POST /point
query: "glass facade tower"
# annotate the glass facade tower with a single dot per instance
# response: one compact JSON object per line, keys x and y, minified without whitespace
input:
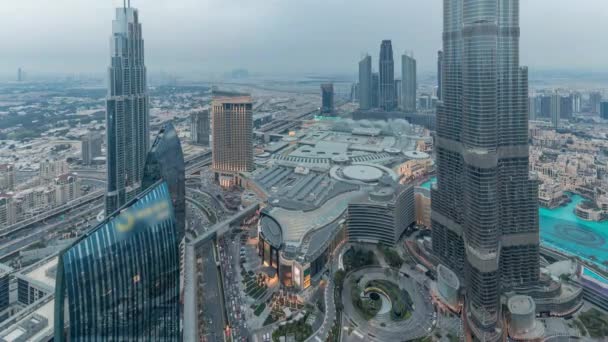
{"x":409,"y":83}
{"x":485,"y":209}
{"x":365,"y":83}
{"x":165,"y":161}
{"x":387,"y":95}
{"x":127,"y":106}
{"x":120,"y":282}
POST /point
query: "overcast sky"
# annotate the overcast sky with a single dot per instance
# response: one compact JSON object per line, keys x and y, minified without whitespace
{"x":280,"y":36}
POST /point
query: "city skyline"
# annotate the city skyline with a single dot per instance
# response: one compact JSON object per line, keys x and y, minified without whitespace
{"x":200,"y":48}
{"x":469,"y":206}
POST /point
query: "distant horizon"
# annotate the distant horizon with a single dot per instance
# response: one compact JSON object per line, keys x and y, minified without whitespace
{"x":286,"y":37}
{"x":539,"y":74}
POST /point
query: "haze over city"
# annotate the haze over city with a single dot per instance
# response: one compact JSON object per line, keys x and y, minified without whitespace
{"x":281,"y":37}
{"x":304,"y":171}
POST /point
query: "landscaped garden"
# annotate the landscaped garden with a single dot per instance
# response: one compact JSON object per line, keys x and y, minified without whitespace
{"x":356,"y":257}
{"x":378,"y":293}
{"x":255,"y":285}
{"x":298,"y":329}
{"x":391,"y":256}
{"x":596,"y":323}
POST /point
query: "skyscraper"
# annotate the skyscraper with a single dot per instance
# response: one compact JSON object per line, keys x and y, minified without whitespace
{"x":566,"y":107}
{"x":439,"y":74}
{"x":90,"y":147}
{"x":545,"y":106}
{"x":200,"y":126}
{"x":365,"y":83}
{"x":595,"y":98}
{"x":532,"y":108}
{"x":120,"y":282}
{"x":127,"y":118}
{"x":165,"y":161}
{"x":485,"y":209}
{"x":556,"y":102}
{"x":7,"y":177}
{"x":408,"y":70}
{"x":232,"y":127}
{"x":327,"y":98}
{"x":604,"y":110}
{"x":387,"y":95}
{"x":375,"y":94}
{"x":399,"y":92}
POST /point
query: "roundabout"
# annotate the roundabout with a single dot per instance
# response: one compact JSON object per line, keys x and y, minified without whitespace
{"x":385,"y":305}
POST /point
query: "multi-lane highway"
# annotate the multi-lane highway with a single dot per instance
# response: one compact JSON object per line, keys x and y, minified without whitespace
{"x":38,"y":232}
{"x":23,"y":234}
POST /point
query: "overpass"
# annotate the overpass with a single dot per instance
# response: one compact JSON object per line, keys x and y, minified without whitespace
{"x":37,"y":234}
{"x":193,"y":163}
{"x":190,"y":283}
{"x":75,"y":204}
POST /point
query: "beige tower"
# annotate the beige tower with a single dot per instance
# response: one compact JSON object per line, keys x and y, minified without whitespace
{"x":232,"y":129}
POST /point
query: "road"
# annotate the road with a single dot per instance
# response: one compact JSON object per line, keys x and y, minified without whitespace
{"x":211,"y":317}
{"x":420,"y":324}
{"x":22,"y":234}
{"x":233,"y":298}
{"x":24,"y":239}
{"x":328,"y":295}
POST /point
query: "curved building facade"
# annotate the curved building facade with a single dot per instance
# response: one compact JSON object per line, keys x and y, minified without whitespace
{"x":381,"y":215}
{"x":448,"y":286}
{"x":120,"y":282}
{"x":166,"y":161}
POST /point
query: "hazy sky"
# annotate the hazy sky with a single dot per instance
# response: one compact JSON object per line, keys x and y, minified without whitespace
{"x":277,"y":36}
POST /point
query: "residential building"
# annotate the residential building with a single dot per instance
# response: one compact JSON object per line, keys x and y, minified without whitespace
{"x":7,"y":177}
{"x":67,"y":188}
{"x":200,"y":127}
{"x":90,"y":145}
{"x":51,"y":169}
{"x":7,"y":214}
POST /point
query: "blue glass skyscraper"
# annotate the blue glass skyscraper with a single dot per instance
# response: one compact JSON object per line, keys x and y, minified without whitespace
{"x":166,"y":161}
{"x":120,"y":282}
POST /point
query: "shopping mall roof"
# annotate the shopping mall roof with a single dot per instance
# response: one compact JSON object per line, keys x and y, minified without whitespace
{"x":299,"y":188}
{"x":296,"y":224}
